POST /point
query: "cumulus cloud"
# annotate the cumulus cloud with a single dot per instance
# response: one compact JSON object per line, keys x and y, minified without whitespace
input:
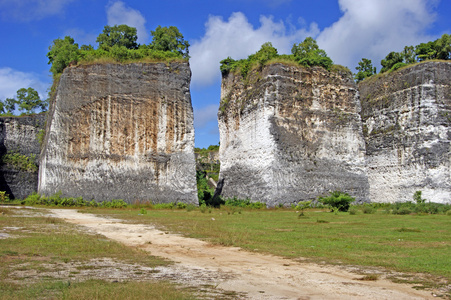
{"x":373,"y":28}
{"x":203,"y":116}
{"x":118,"y":13}
{"x":31,"y":10}
{"x":12,"y":80}
{"x":237,"y":38}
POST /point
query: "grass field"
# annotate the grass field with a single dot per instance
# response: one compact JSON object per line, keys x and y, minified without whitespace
{"x":415,"y":243}
{"x":406,"y":243}
{"x":32,"y":246}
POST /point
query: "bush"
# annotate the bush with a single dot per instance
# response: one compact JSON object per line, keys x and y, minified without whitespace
{"x":4,"y":197}
{"x":302,"y":205}
{"x":368,"y":209}
{"x":338,"y":200}
{"x":353,"y":210}
{"x":181,"y":205}
{"x":403,"y":210}
{"x":21,"y":162}
{"x":244,"y":203}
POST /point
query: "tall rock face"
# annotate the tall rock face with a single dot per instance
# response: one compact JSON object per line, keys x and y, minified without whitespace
{"x":407,"y":116}
{"x":289,"y":134}
{"x":121,"y":132}
{"x":19,"y":151}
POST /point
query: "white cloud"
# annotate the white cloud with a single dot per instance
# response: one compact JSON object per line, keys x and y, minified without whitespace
{"x":30,"y":10}
{"x":12,"y":80}
{"x":373,"y":28}
{"x":118,"y":13}
{"x":237,"y":38}
{"x":203,"y":116}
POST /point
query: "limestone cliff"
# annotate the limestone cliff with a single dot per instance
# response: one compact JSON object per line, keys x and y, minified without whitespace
{"x":121,"y":132}
{"x":291,"y":133}
{"x":19,"y":150}
{"x":407,"y":117}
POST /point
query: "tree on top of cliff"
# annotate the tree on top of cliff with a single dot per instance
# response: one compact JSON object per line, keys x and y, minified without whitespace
{"x":120,"y":35}
{"x":118,"y":44}
{"x":306,"y":53}
{"x":169,"y":39}
{"x":438,"y":49}
{"x":309,"y":54}
{"x":266,"y":52}
{"x":62,"y":53}
{"x":365,"y":69}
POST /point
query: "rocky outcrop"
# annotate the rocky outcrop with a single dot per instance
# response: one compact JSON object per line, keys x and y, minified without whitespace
{"x":289,"y":134}
{"x":407,"y":116}
{"x":121,"y":132}
{"x":19,"y":150}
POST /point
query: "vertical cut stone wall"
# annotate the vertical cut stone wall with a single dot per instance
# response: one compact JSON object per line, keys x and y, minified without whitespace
{"x":290,"y":134}
{"x":121,"y":132}
{"x":19,"y":135}
{"x":406,"y":117}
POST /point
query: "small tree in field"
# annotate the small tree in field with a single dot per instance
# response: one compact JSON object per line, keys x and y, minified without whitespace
{"x":338,"y":200}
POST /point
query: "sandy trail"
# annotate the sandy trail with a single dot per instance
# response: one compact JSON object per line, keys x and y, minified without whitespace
{"x":257,"y":276}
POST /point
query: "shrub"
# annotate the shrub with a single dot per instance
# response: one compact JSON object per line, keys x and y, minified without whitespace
{"x":4,"y":197}
{"x":203,"y":208}
{"x":338,"y":200}
{"x":181,"y":205}
{"x":244,"y":203}
{"x":368,"y":209}
{"x":118,"y":203}
{"x":21,"y":162}
{"x":417,"y":198}
{"x":190,"y":207}
{"x":352,"y":210}
{"x":403,"y":210}
{"x":302,"y":205}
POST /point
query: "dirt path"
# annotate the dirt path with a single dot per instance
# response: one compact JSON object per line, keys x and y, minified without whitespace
{"x":257,"y":276}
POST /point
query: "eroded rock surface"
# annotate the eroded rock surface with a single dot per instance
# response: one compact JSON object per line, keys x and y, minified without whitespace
{"x":122,"y":132}
{"x":290,"y":134}
{"x":20,"y":136}
{"x":407,"y":116}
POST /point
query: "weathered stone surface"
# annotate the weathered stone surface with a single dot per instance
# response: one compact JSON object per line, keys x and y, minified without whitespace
{"x":290,"y":134}
{"x":407,"y":117}
{"x":121,"y":132}
{"x":20,"y":135}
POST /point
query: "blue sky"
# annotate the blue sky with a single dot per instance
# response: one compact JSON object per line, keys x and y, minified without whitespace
{"x":347,"y":29}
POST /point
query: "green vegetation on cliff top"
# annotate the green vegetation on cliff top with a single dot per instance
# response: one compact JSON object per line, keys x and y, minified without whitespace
{"x":439,"y":49}
{"x":306,"y":54}
{"x":118,"y":44}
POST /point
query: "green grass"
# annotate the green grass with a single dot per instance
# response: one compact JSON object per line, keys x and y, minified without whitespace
{"x":94,"y":289}
{"x":406,"y":243}
{"x":42,"y":244}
